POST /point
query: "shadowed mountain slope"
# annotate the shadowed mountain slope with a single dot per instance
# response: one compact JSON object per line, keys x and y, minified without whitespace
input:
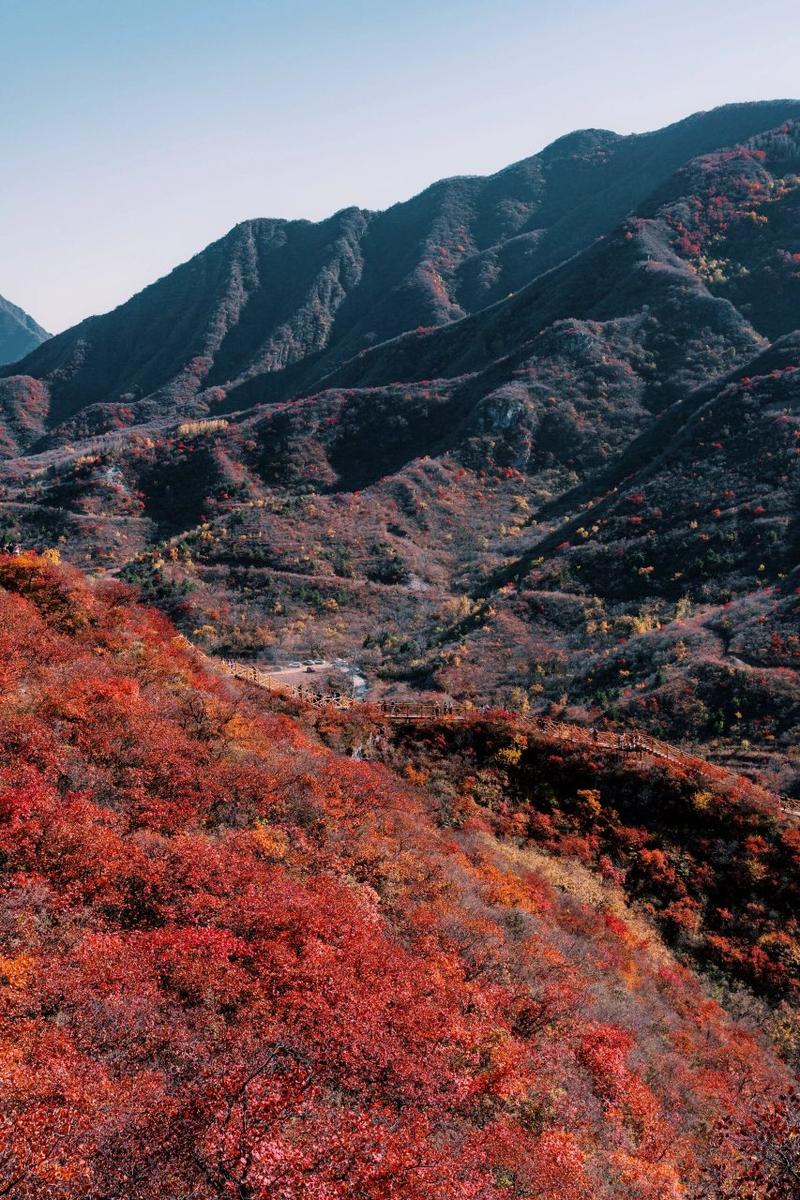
{"x":274,"y":294}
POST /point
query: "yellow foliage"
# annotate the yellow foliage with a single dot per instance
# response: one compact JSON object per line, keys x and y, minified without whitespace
{"x":590,"y":800}
{"x":191,"y":428}
{"x":272,"y":843}
{"x":683,"y":608}
{"x":645,"y":623}
{"x":509,"y":756}
{"x":14,"y":972}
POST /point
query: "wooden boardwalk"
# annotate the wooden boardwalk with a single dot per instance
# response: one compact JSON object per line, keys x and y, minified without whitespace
{"x":634,"y":744}
{"x":397,"y":710}
{"x":404,"y":712}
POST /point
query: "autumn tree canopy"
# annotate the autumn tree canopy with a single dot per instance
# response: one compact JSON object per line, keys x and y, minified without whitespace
{"x":237,"y":963}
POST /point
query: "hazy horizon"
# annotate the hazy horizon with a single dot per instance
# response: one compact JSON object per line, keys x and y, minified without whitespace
{"x":136,"y":136}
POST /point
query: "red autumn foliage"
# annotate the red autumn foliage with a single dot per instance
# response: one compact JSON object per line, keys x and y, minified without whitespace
{"x":234,"y":963}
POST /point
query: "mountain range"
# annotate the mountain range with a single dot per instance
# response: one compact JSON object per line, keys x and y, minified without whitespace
{"x":529,"y":438}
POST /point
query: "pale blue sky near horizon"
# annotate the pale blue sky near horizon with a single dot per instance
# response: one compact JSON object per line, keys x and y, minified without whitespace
{"x":135,"y":132}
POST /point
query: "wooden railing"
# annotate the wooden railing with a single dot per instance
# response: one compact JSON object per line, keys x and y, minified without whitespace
{"x":633,"y":743}
{"x":398,"y":710}
{"x":446,"y":710}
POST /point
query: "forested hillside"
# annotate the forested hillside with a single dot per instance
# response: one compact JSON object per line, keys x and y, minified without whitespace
{"x":249,"y":949}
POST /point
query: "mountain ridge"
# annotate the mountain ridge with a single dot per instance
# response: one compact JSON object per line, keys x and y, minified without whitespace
{"x":355,"y":289}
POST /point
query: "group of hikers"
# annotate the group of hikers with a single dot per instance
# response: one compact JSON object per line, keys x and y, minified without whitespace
{"x":627,"y":742}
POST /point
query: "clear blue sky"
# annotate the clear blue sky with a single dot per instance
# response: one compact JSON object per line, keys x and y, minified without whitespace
{"x":134,"y":132}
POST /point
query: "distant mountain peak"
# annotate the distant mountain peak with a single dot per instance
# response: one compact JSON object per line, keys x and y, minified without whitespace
{"x":19,"y":333}
{"x":581,"y":140}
